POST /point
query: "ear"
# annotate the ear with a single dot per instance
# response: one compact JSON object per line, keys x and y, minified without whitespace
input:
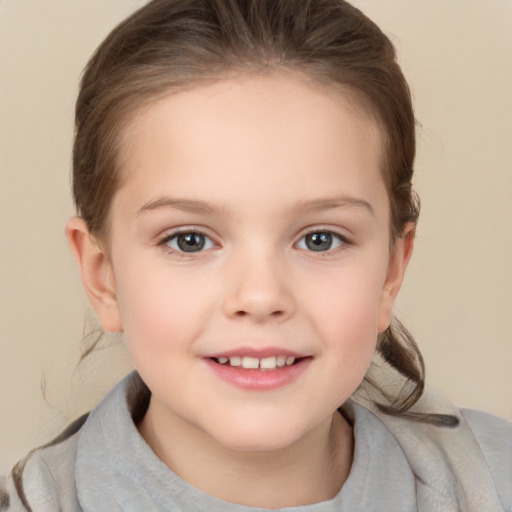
{"x":398,"y":261}
{"x":96,"y":272}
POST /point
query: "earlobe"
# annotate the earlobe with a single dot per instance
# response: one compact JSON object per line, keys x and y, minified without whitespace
{"x":399,"y":259}
{"x":96,"y":272}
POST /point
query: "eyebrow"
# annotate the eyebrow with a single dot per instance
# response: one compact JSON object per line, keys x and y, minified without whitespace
{"x":302,"y":207}
{"x":315,"y":205}
{"x":187,"y":205}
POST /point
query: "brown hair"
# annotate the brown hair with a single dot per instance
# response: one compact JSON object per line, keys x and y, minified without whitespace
{"x":169,"y":45}
{"x":173,"y":44}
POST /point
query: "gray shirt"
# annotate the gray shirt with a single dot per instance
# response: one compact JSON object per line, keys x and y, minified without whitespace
{"x":107,"y":466}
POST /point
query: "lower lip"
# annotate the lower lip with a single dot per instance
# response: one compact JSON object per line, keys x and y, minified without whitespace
{"x":259,"y":380}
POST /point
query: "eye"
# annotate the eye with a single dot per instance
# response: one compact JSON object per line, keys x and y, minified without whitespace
{"x":321,"y":241}
{"x":188,"y":241}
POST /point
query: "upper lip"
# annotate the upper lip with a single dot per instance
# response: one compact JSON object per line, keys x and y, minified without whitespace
{"x":258,"y":353}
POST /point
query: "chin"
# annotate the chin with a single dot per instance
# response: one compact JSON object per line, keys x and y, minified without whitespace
{"x":247,"y":436}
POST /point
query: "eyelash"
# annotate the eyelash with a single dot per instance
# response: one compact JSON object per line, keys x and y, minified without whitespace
{"x":344,"y":242}
{"x":164,"y":241}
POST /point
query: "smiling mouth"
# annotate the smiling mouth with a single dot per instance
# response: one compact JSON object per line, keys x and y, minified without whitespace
{"x":254,"y":363}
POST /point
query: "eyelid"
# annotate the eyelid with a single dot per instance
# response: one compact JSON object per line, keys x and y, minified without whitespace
{"x":322,"y":228}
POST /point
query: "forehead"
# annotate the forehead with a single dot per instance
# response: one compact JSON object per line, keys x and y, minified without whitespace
{"x":243,"y":127}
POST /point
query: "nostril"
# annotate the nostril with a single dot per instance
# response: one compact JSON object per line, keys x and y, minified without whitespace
{"x":273,"y":314}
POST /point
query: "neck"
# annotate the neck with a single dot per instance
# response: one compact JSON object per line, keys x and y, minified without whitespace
{"x":311,"y":470}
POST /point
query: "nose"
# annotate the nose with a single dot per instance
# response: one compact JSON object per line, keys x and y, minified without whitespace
{"x":258,"y":290}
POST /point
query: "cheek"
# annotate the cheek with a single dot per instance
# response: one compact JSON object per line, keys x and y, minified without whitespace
{"x":162,"y":312}
{"x":345,"y":315}
{"x":346,"y":301}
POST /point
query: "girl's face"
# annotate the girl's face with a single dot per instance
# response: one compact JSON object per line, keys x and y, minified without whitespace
{"x":251,"y":230}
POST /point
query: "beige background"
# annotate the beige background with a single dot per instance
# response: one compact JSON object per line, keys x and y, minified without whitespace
{"x":457,"y":298}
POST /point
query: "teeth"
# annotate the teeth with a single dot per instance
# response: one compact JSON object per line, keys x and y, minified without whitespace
{"x":253,"y":363}
{"x":235,"y":361}
{"x":268,"y":363}
{"x":250,"y":362}
{"x":281,"y":361}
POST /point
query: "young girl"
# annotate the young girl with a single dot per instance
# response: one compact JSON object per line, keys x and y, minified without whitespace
{"x":242,"y":175}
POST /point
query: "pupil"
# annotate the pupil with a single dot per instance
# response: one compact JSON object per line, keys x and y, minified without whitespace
{"x":319,"y":241}
{"x":191,"y":242}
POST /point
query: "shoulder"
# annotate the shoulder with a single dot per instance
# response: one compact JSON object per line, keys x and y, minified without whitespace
{"x":46,"y":479}
{"x":46,"y":482}
{"x":494,"y":435}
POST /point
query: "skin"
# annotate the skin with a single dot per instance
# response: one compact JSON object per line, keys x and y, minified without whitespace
{"x":255,"y":163}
